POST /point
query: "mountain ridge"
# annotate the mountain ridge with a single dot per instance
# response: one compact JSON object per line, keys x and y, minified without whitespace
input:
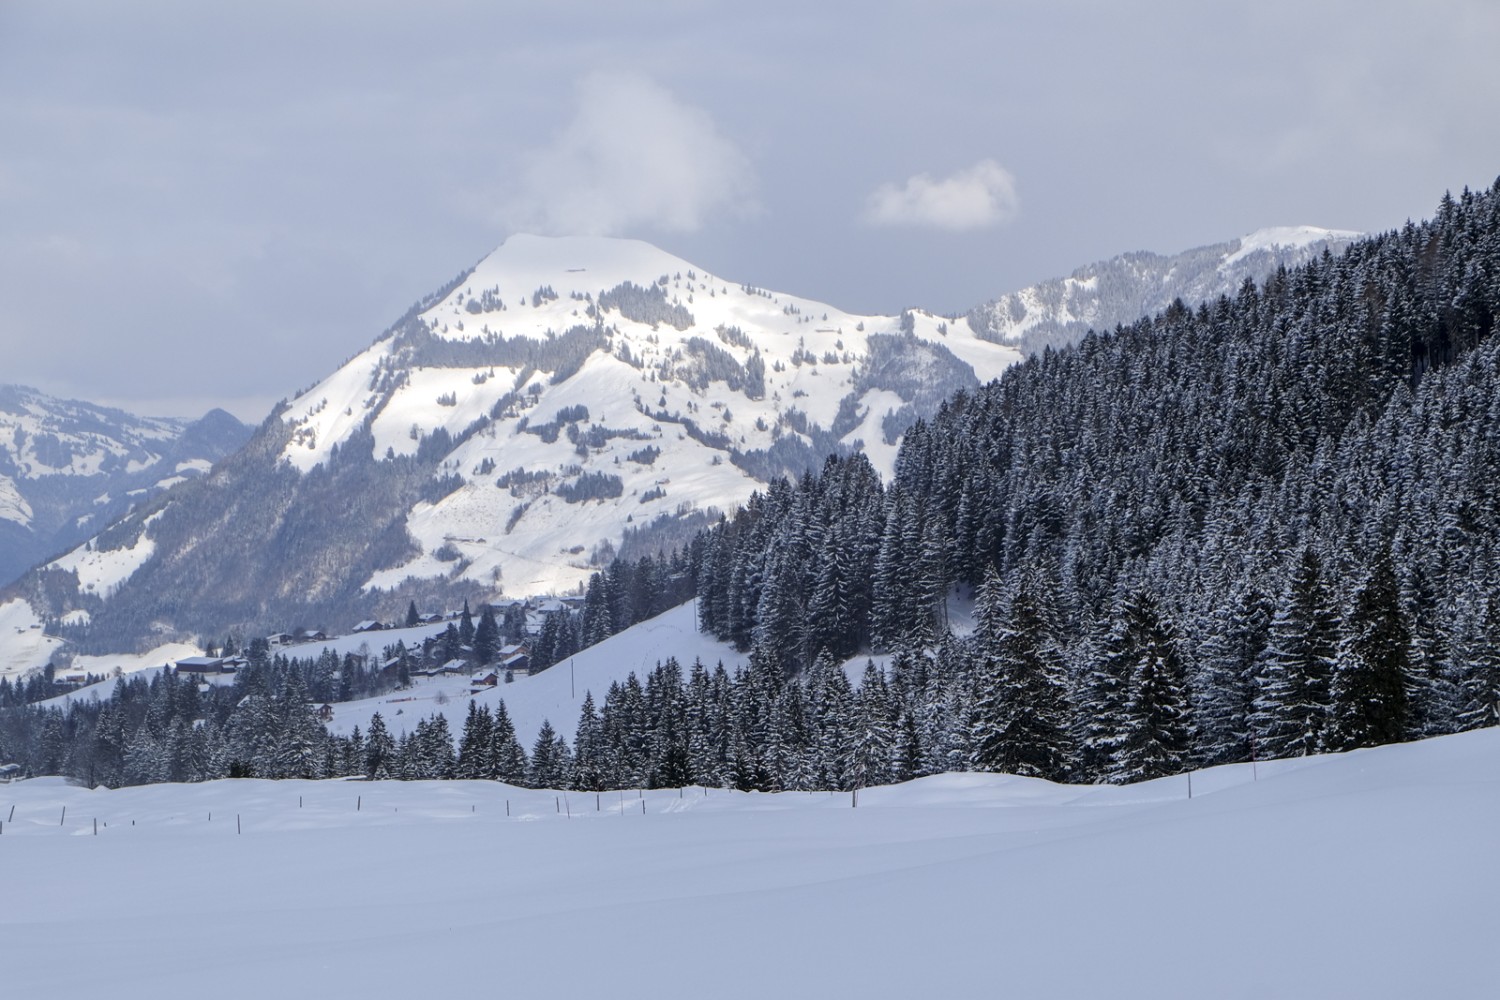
{"x":563,"y":401}
{"x":68,"y":468}
{"x":1122,"y":289}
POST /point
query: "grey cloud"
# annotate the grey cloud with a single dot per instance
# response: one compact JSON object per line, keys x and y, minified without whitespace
{"x":977,"y":197}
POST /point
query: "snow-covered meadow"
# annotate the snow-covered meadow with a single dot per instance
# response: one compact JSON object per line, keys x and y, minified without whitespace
{"x":1369,"y":874}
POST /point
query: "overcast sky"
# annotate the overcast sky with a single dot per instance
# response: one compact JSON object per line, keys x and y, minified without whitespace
{"x":215,"y":204}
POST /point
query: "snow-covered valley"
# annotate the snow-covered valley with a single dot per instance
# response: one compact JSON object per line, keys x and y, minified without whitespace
{"x":1367,"y":874}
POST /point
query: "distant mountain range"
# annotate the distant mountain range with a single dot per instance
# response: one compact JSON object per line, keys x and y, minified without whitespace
{"x":1122,"y":289}
{"x":69,"y":468}
{"x":565,"y":401}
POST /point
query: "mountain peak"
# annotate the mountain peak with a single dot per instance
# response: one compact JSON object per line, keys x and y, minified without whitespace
{"x":1287,"y":238}
{"x":577,"y":262}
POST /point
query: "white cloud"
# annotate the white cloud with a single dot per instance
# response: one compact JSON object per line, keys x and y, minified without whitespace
{"x":981,"y":196}
{"x":632,"y":156}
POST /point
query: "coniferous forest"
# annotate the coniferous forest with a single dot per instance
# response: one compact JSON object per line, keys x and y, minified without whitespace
{"x":1266,"y":526}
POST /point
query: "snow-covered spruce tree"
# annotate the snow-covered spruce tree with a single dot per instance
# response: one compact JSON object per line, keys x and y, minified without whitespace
{"x":874,"y":738}
{"x":598,"y":622}
{"x":486,"y":637}
{"x":1223,"y":683}
{"x":787,"y":740}
{"x":1293,"y":704}
{"x":380,"y":750}
{"x":834,"y":725}
{"x":1019,"y":717}
{"x":511,"y":765}
{"x":1478,"y":667}
{"x":1103,"y":688}
{"x":475,"y":744}
{"x":664,"y":747}
{"x":466,"y":626}
{"x":544,"y":769}
{"x":1156,"y":726}
{"x":1369,"y":679}
{"x":589,"y":759}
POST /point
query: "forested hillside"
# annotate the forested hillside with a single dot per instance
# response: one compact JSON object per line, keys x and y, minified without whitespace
{"x":1259,"y":528}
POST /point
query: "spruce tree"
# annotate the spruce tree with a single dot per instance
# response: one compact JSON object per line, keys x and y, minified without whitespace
{"x":1157,"y":727}
{"x":1479,"y":670}
{"x":476,"y":744}
{"x":380,"y":750}
{"x":589,"y":765}
{"x":1370,"y":672}
{"x":466,"y":626}
{"x":545,"y":767}
{"x":875,"y":741}
{"x":1293,"y":703}
{"x":511,"y":765}
{"x":486,"y":637}
{"x":1019,"y":718}
{"x":1235,"y":634}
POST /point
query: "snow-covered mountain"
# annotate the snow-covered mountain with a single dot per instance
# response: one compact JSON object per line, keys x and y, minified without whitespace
{"x":1122,"y":289}
{"x":589,"y":384}
{"x":69,"y":468}
{"x":564,"y":401}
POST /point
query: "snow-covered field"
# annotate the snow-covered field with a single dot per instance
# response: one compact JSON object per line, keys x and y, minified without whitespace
{"x":23,"y":646}
{"x":1371,"y":874}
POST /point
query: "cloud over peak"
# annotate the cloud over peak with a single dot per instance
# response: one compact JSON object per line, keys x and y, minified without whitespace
{"x":632,"y":155}
{"x":977,"y":197}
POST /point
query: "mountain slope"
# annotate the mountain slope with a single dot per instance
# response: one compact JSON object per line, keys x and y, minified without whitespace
{"x":69,"y":468}
{"x":1121,"y":290}
{"x":564,"y":400}
{"x":1255,"y":528}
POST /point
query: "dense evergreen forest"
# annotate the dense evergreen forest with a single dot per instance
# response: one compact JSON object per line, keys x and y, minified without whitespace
{"x":1267,"y":526}
{"x":1263,"y":527}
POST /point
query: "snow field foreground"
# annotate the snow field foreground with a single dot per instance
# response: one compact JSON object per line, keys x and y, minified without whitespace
{"x":1371,"y":874}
